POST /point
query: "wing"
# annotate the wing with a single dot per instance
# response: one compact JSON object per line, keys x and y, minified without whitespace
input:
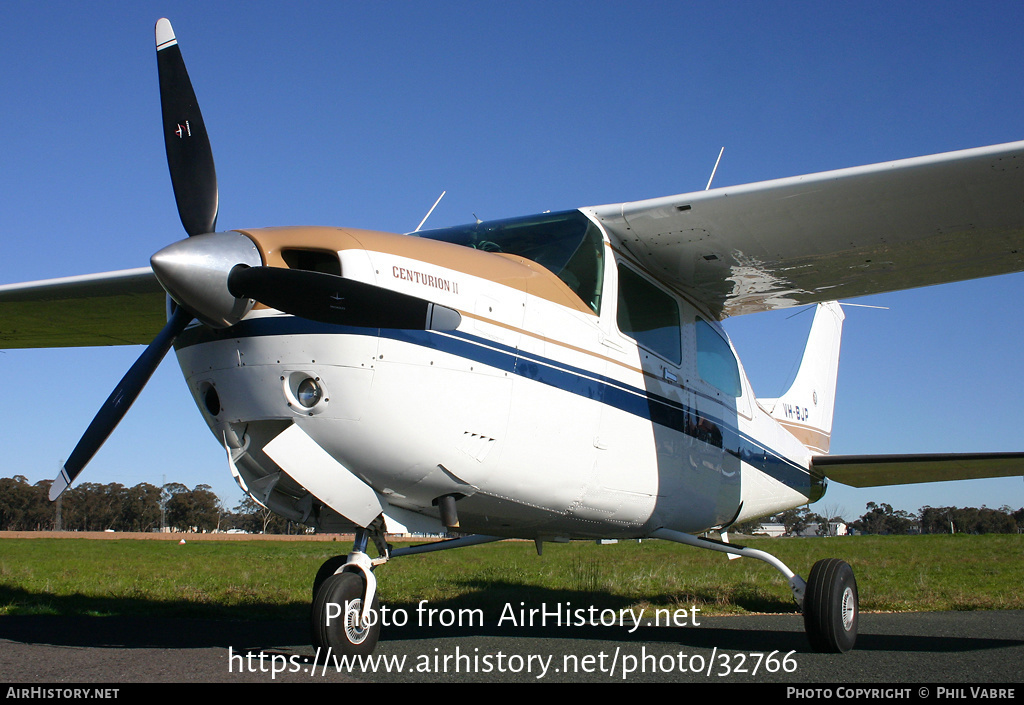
{"x":115,"y":308}
{"x":834,"y":235}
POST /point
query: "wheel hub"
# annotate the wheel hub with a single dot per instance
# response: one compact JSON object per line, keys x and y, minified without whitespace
{"x":849,"y":608}
{"x":354,"y":629}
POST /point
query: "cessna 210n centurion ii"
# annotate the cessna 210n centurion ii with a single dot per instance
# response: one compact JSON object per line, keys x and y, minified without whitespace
{"x":570,"y":374}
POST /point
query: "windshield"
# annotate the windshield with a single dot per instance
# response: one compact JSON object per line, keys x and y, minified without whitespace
{"x":566,"y":243}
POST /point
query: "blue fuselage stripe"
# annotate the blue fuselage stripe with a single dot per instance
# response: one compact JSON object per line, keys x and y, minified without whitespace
{"x":639,"y":402}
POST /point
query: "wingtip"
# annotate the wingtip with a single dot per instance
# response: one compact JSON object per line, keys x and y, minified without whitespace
{"x":164,"y":34}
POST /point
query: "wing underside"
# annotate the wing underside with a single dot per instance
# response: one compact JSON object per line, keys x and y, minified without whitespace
{"x":114,"y":308}
{"x":834,"y":235}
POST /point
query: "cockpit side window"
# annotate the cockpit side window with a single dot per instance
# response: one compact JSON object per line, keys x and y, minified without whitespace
{"x":716,"y":363}
{"x":566,"y":243}
{"x":648,"y":315}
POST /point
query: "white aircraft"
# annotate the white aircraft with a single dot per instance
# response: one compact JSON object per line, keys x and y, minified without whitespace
{"x":553,"y":377}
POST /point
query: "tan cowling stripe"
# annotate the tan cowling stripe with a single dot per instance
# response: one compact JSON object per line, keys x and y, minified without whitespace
{"x":509,"y":270}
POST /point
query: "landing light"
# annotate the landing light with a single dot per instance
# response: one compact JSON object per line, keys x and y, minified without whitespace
{"x":309,"y":393}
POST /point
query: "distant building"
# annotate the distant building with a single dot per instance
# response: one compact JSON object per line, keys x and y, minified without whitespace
{"x":835,"y":528}
{"x":773,"y":529}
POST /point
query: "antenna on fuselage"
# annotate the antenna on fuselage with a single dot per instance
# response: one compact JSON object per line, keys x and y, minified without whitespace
{"x":429,"y":212}
{"x":715,"y":169}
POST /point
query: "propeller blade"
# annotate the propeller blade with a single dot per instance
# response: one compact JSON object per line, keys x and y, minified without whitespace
{"x":119,"y":401}
{"x":189,"y":156}
{"x":329,"y":298}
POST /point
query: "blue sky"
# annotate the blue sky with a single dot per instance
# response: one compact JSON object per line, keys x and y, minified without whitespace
{"x":360,"y":114}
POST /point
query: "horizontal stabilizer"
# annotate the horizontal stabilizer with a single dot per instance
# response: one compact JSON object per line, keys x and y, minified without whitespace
{"x":879,"y":470}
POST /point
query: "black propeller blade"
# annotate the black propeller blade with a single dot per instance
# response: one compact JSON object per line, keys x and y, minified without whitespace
{"x":188,"y":147}
{"x":197,"y":268}
{"x":119,"y":401}
{"x":329,"y":298}
{"x":190,"y":160}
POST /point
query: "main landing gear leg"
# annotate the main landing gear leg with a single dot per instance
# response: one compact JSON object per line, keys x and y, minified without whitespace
{"x":346,"y":611}
{"x":828,"y":598}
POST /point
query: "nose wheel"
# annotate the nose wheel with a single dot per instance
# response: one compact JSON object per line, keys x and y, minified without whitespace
{"x":338,"y":621}
{"x":831,"y":609}
{"x":329,"y":568}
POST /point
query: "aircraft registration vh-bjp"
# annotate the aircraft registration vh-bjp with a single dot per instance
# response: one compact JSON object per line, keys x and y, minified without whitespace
{"x":580,"y":384}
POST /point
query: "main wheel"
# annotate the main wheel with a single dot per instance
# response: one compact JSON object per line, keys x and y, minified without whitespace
{"x":831,"y":610}
{"x":335,"y":621}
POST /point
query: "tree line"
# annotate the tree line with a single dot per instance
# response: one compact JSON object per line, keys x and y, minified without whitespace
{"x":91,"y":506}
{"x":144,"y":507}
{"x":883,"y":519}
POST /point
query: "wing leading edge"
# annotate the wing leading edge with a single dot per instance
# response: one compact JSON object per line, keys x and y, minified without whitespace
{"x":126,"y":307}
{"x":836,"y":234}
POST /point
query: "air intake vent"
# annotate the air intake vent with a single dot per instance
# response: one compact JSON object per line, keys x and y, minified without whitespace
{"x":312,"y":261}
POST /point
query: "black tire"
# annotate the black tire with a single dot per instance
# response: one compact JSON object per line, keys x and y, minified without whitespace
{"x":831,"y":608}
{"x":343,"y":634}
{"x":329,"y":568}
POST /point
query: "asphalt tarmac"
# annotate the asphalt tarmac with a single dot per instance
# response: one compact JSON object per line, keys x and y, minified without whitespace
{"x":939,"y":648}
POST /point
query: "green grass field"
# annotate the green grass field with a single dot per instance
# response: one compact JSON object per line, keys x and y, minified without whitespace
{"x":267,"y":579}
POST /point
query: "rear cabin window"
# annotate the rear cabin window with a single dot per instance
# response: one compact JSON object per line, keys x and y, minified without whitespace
{"x":566,"y":243}
{"x":716,"y":363}
{"x":648,"y":315}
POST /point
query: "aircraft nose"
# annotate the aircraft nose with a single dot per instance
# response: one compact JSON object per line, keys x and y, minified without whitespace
{"x":194,"y":272}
